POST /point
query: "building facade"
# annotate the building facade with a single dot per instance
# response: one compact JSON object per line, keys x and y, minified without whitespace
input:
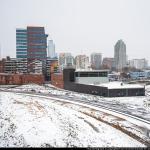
{"x":120,"y":55}
{"x":35,"y":66}
{"x":15,"y":65}
{"x":37,"y":43}
{"x":21,"y":65}
{"x":108,"y":63}
{"x":96,"y":61}
{"x":31,"y":44}
{"x":51,"y":49}
{"x":49,"y":62}
{"x":21,"y":43}
{"x":65,"y":59}
{"x":140,"y":75}
{"x":82,"y":62}
{"x":91,"y":77}
{"x":138,"y":63}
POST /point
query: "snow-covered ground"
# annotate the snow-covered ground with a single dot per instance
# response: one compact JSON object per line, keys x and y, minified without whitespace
{"x":27,"y":121}
{"x":138,"y":106}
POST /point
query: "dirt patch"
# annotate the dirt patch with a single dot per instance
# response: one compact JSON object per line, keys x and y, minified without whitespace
{"x":34,"y":107}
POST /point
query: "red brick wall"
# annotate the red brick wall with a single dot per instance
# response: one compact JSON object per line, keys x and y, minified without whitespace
{"x":57,"y":80}
{"x":21,"y":79}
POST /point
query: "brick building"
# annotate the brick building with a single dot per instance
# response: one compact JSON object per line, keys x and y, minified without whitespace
{"x":56,"y":76}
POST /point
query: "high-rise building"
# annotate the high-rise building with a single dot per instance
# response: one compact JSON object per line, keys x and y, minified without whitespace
{"x":51,"y":49}
{"x":138,"y":63}
{"x":107,"y":63}
{"x":82,"y":62}
{"x":120,"y":55}
{"x":65,"y":59}
{"x":21,"y":43}
{"x":96,"y":61}
{"x":37,"y":43}
{"x":31,"y":43}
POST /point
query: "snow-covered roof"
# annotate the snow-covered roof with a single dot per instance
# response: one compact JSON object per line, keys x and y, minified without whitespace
{"x":92,"y":70}
{"x":120,"y":85}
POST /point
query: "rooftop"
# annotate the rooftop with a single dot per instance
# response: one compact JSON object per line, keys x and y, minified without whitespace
{"x":92,"y":70}
{"x":120,"y":85}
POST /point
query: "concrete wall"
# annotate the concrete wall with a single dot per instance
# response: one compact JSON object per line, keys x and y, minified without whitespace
{"x":88,"y":89}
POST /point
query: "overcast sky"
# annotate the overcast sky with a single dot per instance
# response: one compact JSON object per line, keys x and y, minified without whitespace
{"x":80,"y":26}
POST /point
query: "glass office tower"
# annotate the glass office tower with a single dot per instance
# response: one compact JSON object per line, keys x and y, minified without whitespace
{"x":21,"y":43}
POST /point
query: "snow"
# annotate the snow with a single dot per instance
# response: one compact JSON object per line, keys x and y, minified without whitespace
{"x":119,"y":85}
{"x":27,"y":121}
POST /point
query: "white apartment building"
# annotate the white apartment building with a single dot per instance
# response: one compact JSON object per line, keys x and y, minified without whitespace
{"x":82,"y":62}
{"x":138,"y":63}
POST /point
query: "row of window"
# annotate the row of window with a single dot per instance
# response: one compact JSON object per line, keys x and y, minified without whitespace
{"x":38,"y":46}
{"x":38,"y":35}
{"x":21,"y":30}
{"x":34,"y":53}
{"x":21,"y":34}
{"x":21,"y":56}
{"x":91,"y":74}
{"x":37,"y":56}
{"x":35,"y":29}
{"x":21,"y":40}
{"x":21,"y":50}
{"x":22,"y":46}
{"x":38,"y":41}
{"x":18,"y":52}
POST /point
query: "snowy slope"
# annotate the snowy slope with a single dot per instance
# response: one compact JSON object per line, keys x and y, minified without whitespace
{"x":139,"y":106}
{"x":30,"y":121}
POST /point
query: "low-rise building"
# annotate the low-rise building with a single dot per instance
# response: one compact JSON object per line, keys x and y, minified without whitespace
{"x":109,"y":89}
{"x":138,"y":63}
{"x":140,"y":74}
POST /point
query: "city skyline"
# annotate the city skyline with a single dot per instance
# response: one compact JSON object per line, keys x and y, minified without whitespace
{"x":80,"y":26}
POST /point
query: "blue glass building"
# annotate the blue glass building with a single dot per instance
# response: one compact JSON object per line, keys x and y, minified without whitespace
{"x":21,"y":43}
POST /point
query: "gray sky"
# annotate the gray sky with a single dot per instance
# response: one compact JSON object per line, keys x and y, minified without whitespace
{"x":80,"y":26}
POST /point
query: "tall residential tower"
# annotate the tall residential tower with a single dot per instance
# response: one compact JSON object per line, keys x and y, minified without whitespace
{"x":31,"y":43}
{"x":120,"y":55}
